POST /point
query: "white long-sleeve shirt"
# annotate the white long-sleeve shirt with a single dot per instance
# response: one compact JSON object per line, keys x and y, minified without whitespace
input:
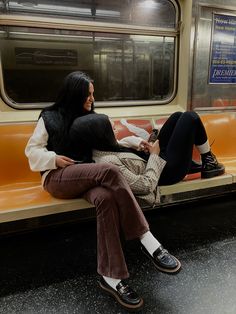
{"x":40,"y":159}
{"x":130,"y":141}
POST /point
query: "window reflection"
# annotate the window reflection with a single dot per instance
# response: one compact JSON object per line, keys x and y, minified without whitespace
{"x":124,"y":67}
{"x":158,"y":13}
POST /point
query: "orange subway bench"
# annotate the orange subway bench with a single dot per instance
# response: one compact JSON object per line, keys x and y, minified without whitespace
{"x":21,"y":193}
{"x":221,"y":131}
{"x":22,"y":196}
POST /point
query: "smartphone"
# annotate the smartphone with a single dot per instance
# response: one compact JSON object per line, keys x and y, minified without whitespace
{"x":78,"y":161}
{"x":153,"y":136}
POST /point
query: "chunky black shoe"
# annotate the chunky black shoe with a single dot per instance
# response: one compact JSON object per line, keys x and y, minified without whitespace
{"x":124,"y":295}
{"x":210,"y":166}
{"x":153,"y":136}
{"x":163,"y":260}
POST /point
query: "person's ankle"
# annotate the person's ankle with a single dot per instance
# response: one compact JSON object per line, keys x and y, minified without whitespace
{"x":112,"y":282}
{"x":150,"y":243}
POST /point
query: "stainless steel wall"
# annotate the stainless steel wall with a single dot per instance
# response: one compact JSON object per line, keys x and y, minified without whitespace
{"x":202,"y":94}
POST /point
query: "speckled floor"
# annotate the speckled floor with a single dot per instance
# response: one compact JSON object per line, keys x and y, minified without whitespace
{"x":54,"y":270}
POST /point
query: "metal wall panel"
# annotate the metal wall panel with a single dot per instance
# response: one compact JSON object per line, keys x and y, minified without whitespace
{"x":202,"y":94}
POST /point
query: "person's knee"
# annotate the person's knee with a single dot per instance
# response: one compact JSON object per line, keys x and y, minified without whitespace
{"x":104,"y":196}
{"x":104,"y":200}
{"x":176,"y":115}
{"x":192,"y":115}
{"x":111,"y":169}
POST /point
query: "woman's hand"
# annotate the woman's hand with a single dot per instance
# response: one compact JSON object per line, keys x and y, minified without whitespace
{"x":63,"y":161}
{"x":155,"y":148}
{"x":144,"y":146}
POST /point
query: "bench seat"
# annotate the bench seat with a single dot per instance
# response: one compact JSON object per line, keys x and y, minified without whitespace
{"x":22,"y":196}
{"x":21,"y":201}
{"x":196,"y":184}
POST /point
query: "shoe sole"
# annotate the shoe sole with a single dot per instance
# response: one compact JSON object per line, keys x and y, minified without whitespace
{"x":165,"y":270}
{"x":212,"y":174}
{"x":130,"y":307}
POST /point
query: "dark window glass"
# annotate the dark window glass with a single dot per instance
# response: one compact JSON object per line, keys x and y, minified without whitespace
{"x":157,"y":13}
{"x":124,"y":67}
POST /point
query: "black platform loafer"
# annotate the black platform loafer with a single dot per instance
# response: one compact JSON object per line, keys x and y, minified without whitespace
{"x":125,"y":296}
{"x":163,"y":260}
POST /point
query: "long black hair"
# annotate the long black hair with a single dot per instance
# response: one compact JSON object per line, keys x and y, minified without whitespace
{"x":69,"y":104}
{"x":72,"y":96}
{"x":95,"y":132}
{"x":92,"y":132}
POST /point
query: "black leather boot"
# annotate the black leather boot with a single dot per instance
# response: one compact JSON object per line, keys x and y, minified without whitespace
{"x":210,"y":166}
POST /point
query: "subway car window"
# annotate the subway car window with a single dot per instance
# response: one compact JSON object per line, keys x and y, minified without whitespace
{"x":161,"y":13}
{"x":136,"y":66}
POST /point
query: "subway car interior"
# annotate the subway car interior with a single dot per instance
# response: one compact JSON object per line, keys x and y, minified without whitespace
{"x":147,"y":60}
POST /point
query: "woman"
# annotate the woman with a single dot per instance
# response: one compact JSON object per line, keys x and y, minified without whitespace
{"x":93,"y":135}
{"x":49,"y":151}
{"x":170,"y":156}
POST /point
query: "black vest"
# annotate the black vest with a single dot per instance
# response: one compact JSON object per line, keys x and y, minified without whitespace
{"x":58,"y":138}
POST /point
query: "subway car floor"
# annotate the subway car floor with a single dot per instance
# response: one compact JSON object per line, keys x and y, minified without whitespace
{"x":53,"y":270}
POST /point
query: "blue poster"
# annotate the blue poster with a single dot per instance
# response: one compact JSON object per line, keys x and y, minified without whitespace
{"x":223,"y":52}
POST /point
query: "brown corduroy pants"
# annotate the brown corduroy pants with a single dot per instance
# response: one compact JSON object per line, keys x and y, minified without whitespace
{"x":116,"y":207}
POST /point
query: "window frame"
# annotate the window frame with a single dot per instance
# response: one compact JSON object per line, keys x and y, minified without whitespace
{"x":92,"y":26}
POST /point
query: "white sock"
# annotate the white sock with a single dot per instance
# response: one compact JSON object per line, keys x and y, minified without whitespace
{"x":149,"y":242}
{"x":204,"y":148}
{"x":111,"y":281}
